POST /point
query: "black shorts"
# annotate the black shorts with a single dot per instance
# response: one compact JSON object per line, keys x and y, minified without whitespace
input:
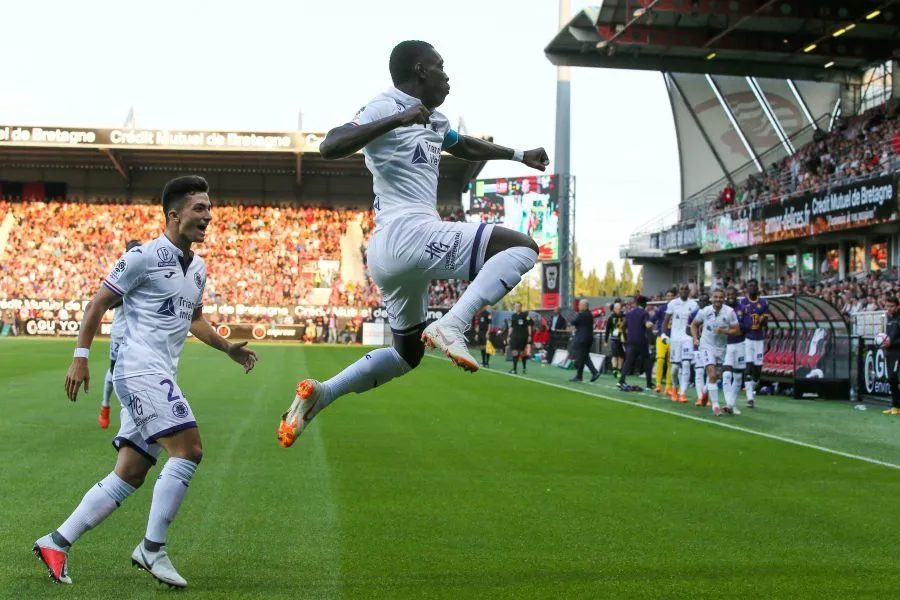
{"x":615,"y":349}
{"x":482,"y":337}
{"x":518,"y":342}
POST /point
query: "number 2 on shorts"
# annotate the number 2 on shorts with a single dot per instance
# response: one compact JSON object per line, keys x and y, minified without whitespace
{"x":168,"y":382}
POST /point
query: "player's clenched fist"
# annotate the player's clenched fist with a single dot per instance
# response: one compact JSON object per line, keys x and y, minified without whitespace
{"x":416,"y":115}
{"x":536,"y":159}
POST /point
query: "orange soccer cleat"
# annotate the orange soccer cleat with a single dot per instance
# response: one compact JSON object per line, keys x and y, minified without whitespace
{"x":298,"y":416}
{"x":103,"y":417}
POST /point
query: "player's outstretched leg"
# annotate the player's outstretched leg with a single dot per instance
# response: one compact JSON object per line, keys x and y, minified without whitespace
{"x":103,"y":417}
{"x":508,"y":257}
{"x":375,"y":368}
{"x":97,"y":504}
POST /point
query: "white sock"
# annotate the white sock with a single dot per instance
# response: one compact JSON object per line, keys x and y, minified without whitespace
{"x":749,"y":390}
{"x":168,"y":493}
{"x":684,"y":377}
{"x":728,"y":388}
{"x":713,"y":390}
{"x":107,"y":387}
{"x":375,"y":368}
{"x":699,"y":381}
{"x":97,"y":504}
{"x":738,"y":377}
{"x":676,"y":375}
{"x":497,"y":277}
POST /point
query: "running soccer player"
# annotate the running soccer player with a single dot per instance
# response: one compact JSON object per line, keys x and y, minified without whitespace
{"x":402,"y":136}
{"x":161,"y":284}
{"x":733,"y":365}
{"x":521,"y":328}
{"x":115,"y":340}
{"x":481,"y":334}
{"x":662,"y":345}
{"x":678,"y":314}
{"x":756,"y":311}
{"x":699,"y":379}
{"x":718,"y":322}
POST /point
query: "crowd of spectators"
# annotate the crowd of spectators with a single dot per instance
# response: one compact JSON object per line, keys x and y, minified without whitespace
{"x":856,"y":148}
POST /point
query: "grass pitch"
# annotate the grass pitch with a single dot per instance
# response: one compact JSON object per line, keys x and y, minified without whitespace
{"x":448,"y":485}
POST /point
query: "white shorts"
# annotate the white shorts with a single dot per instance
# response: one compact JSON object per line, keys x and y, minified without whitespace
{"x":406,"y":254}
{"x":734,"y":356}
{"x":682,"y":350}
{"x":754,"y":351}
{"x":114,"y":344}
{"x":711,"y":356}
{"x":153,"y":406}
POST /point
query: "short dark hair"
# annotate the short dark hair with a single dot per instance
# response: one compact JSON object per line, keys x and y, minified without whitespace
{"x":892,"y":300}
{"x":132,"y":244}
{"x":175,"y":191}
{"x":404,"y":57}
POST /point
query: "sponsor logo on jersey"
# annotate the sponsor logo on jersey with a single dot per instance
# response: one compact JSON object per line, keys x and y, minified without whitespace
{"x":166,"y":258}
{"x":168,"y":308}
{"x":120,"y":266}
{"x":436,"y":249}
{"x":427,"y":153}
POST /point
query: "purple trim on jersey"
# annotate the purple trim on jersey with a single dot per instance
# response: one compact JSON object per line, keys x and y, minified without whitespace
{"x":119,"y":441}
{"x":167,"y":432}
{"x":737,"y":339}
{"x":115,"y":290}
{"x":751,"y":310}
{"x":693,"y":315}
{"x":473,"y":262}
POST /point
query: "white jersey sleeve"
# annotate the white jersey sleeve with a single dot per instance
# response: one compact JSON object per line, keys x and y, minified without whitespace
{"x":128,"y":273}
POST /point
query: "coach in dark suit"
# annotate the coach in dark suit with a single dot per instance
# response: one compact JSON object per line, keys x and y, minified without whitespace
{"x":558,"y":325}
{"x":581,"y":342}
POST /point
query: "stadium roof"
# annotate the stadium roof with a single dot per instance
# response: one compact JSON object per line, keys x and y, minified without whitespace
{"x":127,"y":150}
{"x":818,"y":40}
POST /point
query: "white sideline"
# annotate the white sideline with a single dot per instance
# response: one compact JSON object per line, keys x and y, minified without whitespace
{"x":771,"y":436}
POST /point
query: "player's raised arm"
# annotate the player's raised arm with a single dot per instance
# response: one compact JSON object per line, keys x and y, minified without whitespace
{"x":79,"y":371}
{"x":371,"y":123}
{"x":474,"y":149}
{"x":206,"y":333}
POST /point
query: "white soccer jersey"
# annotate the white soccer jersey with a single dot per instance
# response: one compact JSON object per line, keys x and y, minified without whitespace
{"x":159,"y":301}
{"x":118,"y":324}
{"x":711,"y":321}
{"x":404,"y":162}
{"x":681,"y":311}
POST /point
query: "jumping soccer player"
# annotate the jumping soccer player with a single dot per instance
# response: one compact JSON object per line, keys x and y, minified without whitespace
{"x":678,"y":313}
{"x":521,"y":328}
{"x":161,"y":284}
{"x":482,"y":332}
{"x":718,"y":322}
{"x":115,"y":340}
{"x":402,"y":136}
{"x":735,"y":357}
{"x":756,"y":311}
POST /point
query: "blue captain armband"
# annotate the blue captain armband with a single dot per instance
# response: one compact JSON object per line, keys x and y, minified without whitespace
{"x":450,"y":139}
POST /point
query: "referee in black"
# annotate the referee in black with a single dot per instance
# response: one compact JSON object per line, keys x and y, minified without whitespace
{"x":520,"y":329}
{"x":482,"y":332}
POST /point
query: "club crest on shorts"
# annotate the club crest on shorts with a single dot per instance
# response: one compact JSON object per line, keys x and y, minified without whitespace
{"x":180,"y":410}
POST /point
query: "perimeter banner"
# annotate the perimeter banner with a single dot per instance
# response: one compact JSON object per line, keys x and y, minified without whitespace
{"x":849,"y":206}
{"x":158,"y":139}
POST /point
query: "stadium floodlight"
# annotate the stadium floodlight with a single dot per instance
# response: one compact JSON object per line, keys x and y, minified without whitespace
{"x":711,"y":56}
{"x":839,"y":32}
{"x":810,"y":48}
{"x":872,"y":15}
{"x":601,"y":45}
{"x":829,"y":64}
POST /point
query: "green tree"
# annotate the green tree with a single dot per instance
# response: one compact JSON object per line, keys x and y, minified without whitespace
{"x":626,"y":283}
{"x":580,"y":282}
{"x":592,"y":283}
{"x":609,"y":284}
{"x":639,"y":284}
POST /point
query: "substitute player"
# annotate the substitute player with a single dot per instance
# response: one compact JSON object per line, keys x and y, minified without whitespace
{"x":161,"y":284}
{"x":735,"y":357}
{"x":662,"y":345}
{"x":756,"y":311}
{"x":402,"y":136}
{"x":717,"y":321}
{"x":115,"y":340}
{"x":521,"y":328}
{"x":678,"y":313}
